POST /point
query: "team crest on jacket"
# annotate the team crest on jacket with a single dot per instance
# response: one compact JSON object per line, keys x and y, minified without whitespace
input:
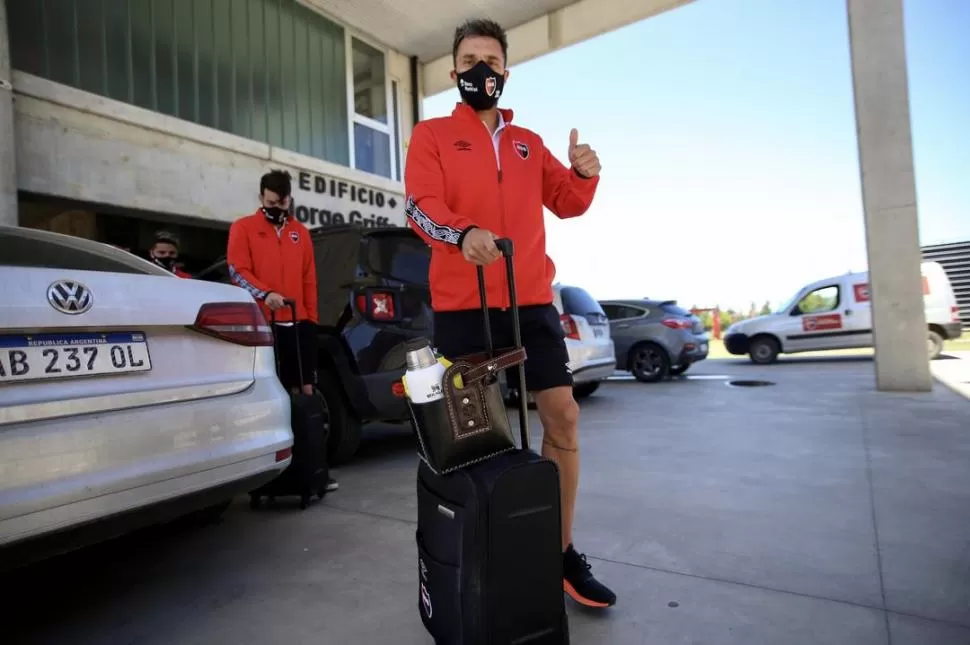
{"x":521,"y":149}
{"x":490,"y":85}
{"x":294,"y":237}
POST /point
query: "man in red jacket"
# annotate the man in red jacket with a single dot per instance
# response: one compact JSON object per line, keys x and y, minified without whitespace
{"x":271,"y":256}
{"x":471,"y":178}
{"x":165,"y":253}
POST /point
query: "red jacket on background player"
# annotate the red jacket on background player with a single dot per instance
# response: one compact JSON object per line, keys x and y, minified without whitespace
{"x":263,"y":260}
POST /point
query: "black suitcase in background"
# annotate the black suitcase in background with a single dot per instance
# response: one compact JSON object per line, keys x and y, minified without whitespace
{"x":489,"y":540}
{"x":308,"y":473}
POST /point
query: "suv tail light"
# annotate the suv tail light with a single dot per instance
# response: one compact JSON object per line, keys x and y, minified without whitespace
{"x":676,"y":323}
{"x":241,"y":323}
{"x":955,"y":312}
{"x":377,"y":305}
{"x":569,"y":326}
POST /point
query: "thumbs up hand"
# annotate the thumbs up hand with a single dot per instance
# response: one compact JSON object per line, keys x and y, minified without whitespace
{"x":583,"y":158}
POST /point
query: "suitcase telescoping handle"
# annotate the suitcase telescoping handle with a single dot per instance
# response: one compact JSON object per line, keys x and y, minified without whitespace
{"x":507,"y":249}
{"x":289,"y":302}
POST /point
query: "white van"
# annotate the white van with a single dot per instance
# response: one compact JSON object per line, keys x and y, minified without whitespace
{"x":835,"y":314}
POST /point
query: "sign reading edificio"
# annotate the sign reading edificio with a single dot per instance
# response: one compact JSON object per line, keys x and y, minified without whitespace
{"x":320,"y":200}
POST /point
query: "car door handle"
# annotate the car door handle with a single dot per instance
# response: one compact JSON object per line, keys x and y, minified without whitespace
{"x":622,"y":326}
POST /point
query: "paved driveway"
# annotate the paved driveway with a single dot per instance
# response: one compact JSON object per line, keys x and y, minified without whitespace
{"x":814,"y":510}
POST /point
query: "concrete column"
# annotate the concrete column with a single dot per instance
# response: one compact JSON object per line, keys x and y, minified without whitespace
{"x":8,"y":146}
{"x":889,"y":194}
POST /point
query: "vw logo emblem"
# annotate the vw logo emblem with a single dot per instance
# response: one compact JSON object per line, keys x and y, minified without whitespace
{"x":69,"y":297}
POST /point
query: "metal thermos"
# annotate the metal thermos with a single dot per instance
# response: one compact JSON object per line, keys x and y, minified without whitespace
{"x":423,"y":378}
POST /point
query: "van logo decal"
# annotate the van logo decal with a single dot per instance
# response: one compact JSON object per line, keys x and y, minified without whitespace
{"x":822,"y":322}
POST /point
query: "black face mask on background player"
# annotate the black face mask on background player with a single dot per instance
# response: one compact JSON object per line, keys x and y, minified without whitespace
{"x":167,"y":263}
{"x":481,"y":86}
{"x":275,"y":214}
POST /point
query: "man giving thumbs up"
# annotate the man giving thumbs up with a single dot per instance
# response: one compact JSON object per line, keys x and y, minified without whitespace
{"x":473,"y":177}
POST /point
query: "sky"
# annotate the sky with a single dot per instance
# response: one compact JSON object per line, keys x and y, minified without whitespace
{"x":726,"y":130}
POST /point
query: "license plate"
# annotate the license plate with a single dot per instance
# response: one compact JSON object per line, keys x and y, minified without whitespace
{"x":48,"y":356}
{"x":703,"y":347}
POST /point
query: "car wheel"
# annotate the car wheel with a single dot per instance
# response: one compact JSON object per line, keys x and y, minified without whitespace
{"x":345,"y":430}
{"x":763,"y":350}
{"x":583,"y":390}
{"x":934,"y":344}
{"x":649,"y":363}
{"x":677,"y":370}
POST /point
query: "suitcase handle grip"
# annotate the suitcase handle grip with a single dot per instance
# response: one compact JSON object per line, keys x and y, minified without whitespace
{"x":291,"y":303}
{"x":505,"y":246}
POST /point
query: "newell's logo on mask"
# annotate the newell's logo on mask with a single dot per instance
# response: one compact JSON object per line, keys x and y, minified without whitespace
{"x":490,"y":85}
{"x":521,"y":149}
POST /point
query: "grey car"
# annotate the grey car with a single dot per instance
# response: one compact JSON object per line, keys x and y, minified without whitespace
{"x":655,"y":338}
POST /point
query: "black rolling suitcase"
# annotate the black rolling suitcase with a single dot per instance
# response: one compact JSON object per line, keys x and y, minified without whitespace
{"x":308,"y":472}
{"x":489,"y":542}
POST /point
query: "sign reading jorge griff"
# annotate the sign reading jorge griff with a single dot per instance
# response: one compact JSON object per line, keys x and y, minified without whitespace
{"x":319,"y":200}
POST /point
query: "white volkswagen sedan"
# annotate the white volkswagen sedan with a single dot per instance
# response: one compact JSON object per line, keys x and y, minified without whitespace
{"x":127,"y":395}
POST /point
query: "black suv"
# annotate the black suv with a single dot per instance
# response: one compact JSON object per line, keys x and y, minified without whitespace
{"x":373,"y":297}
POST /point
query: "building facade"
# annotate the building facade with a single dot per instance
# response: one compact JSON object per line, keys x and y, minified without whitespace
{"x":138,"y":115}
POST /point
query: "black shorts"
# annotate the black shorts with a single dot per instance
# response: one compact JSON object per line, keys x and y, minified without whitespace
{"x":546,"y":365}
{"x":287,"y":356}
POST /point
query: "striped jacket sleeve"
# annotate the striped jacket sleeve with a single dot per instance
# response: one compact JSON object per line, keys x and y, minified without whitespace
{"x":424,"y":183}
{"x":239,"y":259}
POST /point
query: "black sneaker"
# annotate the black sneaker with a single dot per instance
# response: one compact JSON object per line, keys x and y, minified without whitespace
{"x":580,"y":584}
{"x":332,"y":485}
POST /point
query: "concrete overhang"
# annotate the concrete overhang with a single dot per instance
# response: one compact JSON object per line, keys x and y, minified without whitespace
{"x":424,"y":28}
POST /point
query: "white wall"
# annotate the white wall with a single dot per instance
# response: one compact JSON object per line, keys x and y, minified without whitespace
{"x":81,"y":146}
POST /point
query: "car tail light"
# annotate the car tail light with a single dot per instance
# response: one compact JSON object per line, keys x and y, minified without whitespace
{"x":237,"y":322}
{"x":378,"y":305}
{"x":676,"y":323}
{"x":569,"y":326}
{"x":955,"y":312}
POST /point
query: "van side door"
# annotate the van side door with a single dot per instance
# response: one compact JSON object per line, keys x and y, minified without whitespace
{"x":858,"y":311}
{"x":817,"y":322}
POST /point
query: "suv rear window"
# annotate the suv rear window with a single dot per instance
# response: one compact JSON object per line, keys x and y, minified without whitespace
{"x":675,"y":310}
{"x":403,"y":257}
{"x":577,"y":302}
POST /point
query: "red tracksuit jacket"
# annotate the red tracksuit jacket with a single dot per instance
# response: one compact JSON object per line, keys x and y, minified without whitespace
{"x":453,"y":180}
{"x":262,"y":261}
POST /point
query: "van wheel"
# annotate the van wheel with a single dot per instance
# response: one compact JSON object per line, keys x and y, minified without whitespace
{"x":934,"y":344}
{"x":345,"y":430}
{"x":649,"y":363}
{"x":763,"y":350}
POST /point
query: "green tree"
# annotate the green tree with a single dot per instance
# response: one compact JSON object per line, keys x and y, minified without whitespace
{"x":765,"y":309}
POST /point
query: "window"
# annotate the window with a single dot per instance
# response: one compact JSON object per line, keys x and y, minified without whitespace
{"x":371,"y":120}
{"x":818,"y":301}
{"x":674,"y":309}
{"x":273,"y":71}
{"x":403,"y":257}
{"x":621,"y":312}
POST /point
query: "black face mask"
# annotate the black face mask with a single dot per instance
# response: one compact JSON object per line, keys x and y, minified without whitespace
{"x":480,"y":86}
{"x":166,"y":263}
{"x":275,"y":214}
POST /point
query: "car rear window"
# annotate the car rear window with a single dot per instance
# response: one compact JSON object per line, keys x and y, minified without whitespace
{"x":24,"y":248}
{"x":675,"y":310}
{"x":403,"y":257}
{"x":578,"y":302}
